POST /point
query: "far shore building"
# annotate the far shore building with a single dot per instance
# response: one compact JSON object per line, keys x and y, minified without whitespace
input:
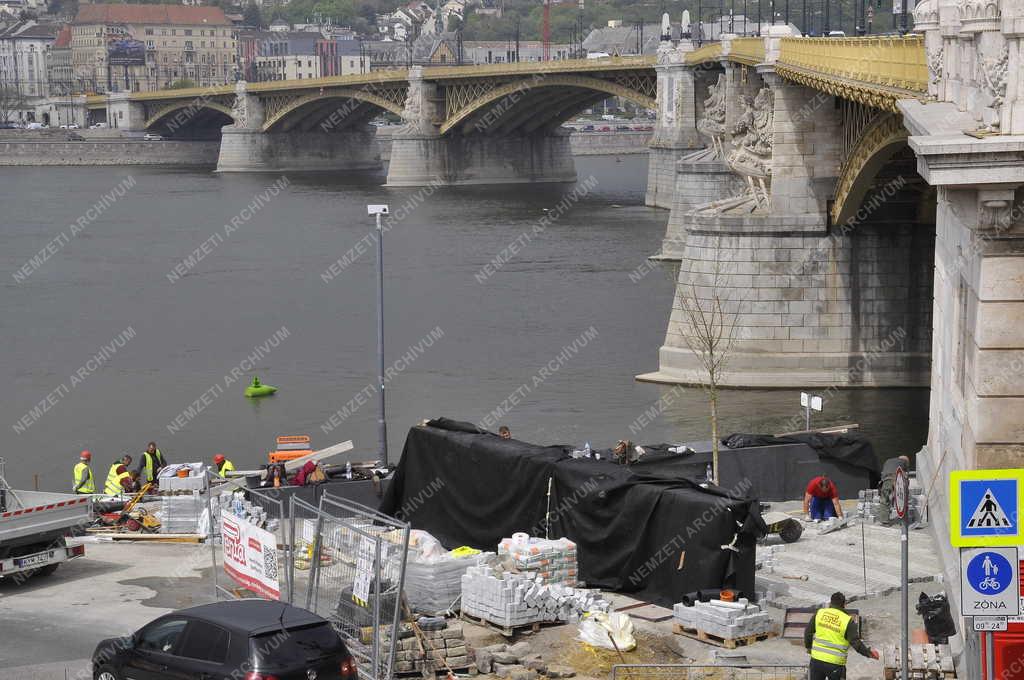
{"x":193,"y":43}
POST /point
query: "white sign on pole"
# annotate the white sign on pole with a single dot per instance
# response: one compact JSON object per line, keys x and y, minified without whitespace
{"x":989,"y":582}
{"x":1020,"y":617}
{"x":250,"y":556}
{"x":364,"y":572}
{"x":989,"y":624}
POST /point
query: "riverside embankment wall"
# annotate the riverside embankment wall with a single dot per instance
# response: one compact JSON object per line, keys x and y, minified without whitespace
{"x":50,"y":147}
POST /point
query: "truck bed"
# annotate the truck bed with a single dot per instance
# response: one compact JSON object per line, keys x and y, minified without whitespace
{"x":38,"y":513}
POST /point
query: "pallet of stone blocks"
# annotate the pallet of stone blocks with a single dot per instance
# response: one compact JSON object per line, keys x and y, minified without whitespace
{"x":724,"y":624}
{"x":434,"y":587}
{"x":552,"y":561}
{"x":508,"y":600}
{"x":927,"y":662}
{"x":436,"y":652}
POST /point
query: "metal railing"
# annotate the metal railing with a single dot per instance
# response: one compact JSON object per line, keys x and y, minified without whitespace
{"x":685,"y":672}
{"x":357,"y":570}
{"x":898,"y":63}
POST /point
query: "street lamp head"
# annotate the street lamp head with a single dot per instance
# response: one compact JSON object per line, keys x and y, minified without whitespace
{"x":377,"y":210}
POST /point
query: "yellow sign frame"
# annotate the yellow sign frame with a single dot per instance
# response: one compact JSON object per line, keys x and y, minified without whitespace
{"x":956,"y":538}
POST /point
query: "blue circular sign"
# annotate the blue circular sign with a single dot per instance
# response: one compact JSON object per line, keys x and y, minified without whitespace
{"x":989,"y":573}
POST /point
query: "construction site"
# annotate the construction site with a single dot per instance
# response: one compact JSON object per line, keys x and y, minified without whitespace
{"x":480,"y":555}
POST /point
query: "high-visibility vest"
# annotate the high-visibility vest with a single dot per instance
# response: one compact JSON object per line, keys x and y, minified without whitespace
{"x":83,"y":471}
{"x":830,"y":644}
{"x":114,"y":486}
{"x":149,"y":465}
{"x":225,"y":467}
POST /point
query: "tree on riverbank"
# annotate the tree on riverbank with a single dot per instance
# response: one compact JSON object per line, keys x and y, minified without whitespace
{"x":11,"y":101}
{"x":710,"y":316}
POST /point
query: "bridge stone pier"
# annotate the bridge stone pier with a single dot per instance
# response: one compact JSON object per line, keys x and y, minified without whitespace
{"x":248,"y":146}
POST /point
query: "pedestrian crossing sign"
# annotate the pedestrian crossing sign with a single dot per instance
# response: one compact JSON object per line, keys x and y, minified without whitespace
{"x":986,"y":507}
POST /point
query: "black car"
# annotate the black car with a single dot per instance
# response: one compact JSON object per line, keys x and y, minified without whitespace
{"x":250,"y":639}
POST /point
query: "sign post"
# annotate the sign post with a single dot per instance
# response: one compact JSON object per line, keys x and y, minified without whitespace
{"x":809,"y":401}
{"x":901,"y":492}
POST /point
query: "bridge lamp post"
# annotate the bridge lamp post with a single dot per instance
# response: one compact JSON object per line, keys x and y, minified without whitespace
{"x":382,"y":426}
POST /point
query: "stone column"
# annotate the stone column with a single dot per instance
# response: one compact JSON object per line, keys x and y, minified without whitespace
{"x":675,"y":133}
{"x":125,"y":114}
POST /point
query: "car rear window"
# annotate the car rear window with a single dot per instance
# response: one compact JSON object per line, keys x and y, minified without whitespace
{"x":295,"y":646}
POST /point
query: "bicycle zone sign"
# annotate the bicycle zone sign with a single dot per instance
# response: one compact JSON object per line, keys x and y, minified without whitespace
{"x":989,"y":582}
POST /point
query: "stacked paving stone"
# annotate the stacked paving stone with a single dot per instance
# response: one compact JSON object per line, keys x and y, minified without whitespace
{"x":515,"y":662}
{"x":768,"y":558}
{"x":552,"y":561}
{"x":728,"y":620}
{"x":444,"y":645}
{"x":512,"y":599}
{"x":871,"y":510}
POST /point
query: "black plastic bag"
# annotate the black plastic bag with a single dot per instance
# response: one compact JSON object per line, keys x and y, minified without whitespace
{"x":938,"y":622}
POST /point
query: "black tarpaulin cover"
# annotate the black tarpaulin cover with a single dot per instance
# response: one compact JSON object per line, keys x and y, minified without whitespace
{"x":468,"y":487}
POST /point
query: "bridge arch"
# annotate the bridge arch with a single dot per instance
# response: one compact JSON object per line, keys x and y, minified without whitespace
{"x":319,"y":106}
{"x":880,"y":141}
{"x":583,"y":91}
{"x":194,"y":114}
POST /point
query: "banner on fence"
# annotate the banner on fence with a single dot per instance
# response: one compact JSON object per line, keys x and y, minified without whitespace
{"x":250,"y":556}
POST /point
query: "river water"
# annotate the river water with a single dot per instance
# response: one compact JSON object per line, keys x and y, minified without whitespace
{"x":149,"y":311}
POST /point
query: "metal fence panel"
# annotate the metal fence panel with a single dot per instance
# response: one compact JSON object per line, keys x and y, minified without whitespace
{"x":357,"y":573}
{"x":260,"y":507}
{"x":686,"y":672}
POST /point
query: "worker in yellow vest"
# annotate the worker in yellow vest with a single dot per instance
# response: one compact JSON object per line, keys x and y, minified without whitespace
{"x":224,"y":466}
{"x":151,"y":463}
{"x":119,"y":479}
{"x":83,"y":481}
{"x":828,"y":638}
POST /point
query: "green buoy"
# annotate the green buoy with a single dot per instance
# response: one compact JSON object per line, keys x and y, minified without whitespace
{"x":258,"y":389}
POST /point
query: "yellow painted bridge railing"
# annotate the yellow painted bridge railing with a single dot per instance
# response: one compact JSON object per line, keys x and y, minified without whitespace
{"x":873,"y":70}
{"x":749,"y":51}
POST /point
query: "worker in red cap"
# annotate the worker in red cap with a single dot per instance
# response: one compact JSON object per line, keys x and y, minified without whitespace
{"x":83,"y":481}
{"x":224,"y":466}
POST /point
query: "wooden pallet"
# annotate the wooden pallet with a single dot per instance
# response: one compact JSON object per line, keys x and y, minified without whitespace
{"x":430,"y":671}
{"x":927,"y":662}
{"x":507,"y":631}
{"x":718,"y":640}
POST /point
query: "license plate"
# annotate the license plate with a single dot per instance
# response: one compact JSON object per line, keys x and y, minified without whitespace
{"x":34,"y":560}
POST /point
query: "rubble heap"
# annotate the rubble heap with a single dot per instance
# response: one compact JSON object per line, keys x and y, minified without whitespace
{"x":515,"y":662}
{"x":511,"y":599}
{"x":728,"y":620}
{"x":443,"y":644}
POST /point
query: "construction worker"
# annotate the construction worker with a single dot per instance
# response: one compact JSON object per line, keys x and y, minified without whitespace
{"x":83,"y":481}
{"x":821,"y":500}
{"x":828,"y":638}
{"x":119,"y":479}
{"x":151,"y":463}
{"x":224,"y":466}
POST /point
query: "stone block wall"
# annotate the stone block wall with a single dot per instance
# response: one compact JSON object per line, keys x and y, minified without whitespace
{"x":246,"y":150}
{"x":697,"y":182}
{"x":112,"y":152}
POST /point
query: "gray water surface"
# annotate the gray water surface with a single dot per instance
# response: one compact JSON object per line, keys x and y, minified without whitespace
{"x":171,"y":346}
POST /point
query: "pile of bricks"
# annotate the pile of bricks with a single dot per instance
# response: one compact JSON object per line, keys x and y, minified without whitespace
{"x":512,"y":599}
{"x":768,"y":558}
{"x":552,"y":561}
{"x":871,"y":510}
{"x":441,"y":648}
{"x":726,"y":620}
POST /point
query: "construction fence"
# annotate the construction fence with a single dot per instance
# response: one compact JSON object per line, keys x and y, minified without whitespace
{"x":685,"y":672}
{"x":341,"y":560}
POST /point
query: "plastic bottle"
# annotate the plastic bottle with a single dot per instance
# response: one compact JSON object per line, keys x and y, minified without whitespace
{"x":348,"y":469}
{"x":709,"y":474}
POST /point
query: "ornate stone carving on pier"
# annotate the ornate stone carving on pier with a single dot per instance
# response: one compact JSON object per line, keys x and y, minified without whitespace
{"x":752,"y":134}
{"x":712,"y":123}
{"x":992,"y":78}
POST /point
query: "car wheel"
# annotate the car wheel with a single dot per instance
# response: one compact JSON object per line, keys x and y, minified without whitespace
{"x":108,"y":673}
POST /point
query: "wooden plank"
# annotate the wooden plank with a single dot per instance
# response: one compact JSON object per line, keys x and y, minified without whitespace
{"x":316,"y":456}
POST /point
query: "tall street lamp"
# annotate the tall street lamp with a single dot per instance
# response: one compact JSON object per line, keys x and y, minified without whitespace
{"x":382,"y":426}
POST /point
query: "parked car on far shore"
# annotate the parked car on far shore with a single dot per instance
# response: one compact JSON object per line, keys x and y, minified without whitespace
{"x":152,"y":137}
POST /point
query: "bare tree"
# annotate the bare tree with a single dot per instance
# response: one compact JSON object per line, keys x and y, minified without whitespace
{"x":11,"y":101}
{"x":711,"y":319}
